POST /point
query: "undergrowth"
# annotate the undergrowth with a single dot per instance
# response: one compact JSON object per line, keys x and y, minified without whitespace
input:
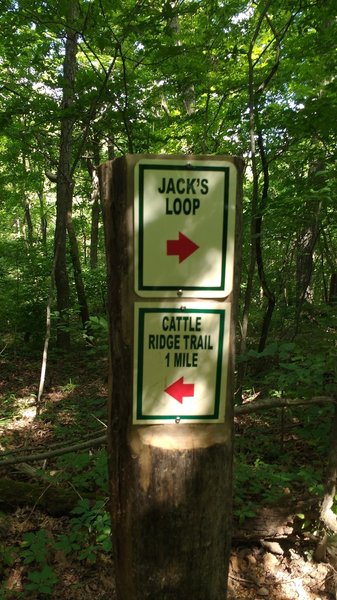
{"x":279,"y":456}
{"x":87,"y":535}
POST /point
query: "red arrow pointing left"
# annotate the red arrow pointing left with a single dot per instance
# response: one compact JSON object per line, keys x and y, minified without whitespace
{"x":183,"y":247}
{"x":179,"y":390}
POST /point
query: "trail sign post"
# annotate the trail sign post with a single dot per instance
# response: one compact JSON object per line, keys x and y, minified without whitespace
{"x":170,"y":234}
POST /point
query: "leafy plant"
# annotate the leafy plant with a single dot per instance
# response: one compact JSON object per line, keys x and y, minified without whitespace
{"x":87,"y":471}
{"x":96,"y":332}
{"x":42,"y":581}
{"x":289,"y":368}
{"x":69,"y":387}
{"x":35,"y":550}
{"x":89,"y":534}
{"x":7,"y":555}
{"x":34,"y":547}
{"x":255,"y":485}
{"x":90,"y":531}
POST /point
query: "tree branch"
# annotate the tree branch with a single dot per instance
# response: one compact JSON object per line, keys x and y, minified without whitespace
{"x":269,"y":403}
{"x":251,"y":407}
{"x":99,"y":441}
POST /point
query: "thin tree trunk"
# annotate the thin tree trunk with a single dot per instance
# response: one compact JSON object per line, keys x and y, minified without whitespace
{"x":26,"y":205}
{"x":79,"y":284}
{"x":95,"y":207}
{"x":256,"y":211}
{"x":327,"y":516}
{"x":46,"y":339}
{"x":305,"y":262}
{"x":95,"y":214}
{"x":65,"y":185}
{"x":254,"y":208}
{"x":29,"y":222}
{"x":258,"y":243}
{"x":43,"y":219}
{"x":307,"y":240}
{"x":333,"y":289}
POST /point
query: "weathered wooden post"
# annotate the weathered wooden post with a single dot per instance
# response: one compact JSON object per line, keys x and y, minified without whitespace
{"x":170,"y":237}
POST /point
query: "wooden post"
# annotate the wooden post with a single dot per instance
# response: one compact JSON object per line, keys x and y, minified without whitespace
{"x":170,"y":483}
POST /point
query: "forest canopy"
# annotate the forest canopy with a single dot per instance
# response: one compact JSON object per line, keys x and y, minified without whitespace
{"x":82,"y":82}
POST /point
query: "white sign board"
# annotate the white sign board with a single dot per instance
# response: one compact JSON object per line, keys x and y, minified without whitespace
{"x":184,"y":227}
{"x":180,"y":362}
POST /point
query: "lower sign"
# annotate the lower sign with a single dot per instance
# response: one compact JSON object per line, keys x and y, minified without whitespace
{"x":180,"y":362}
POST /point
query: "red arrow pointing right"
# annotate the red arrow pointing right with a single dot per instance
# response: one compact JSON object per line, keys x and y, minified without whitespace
{"x":183,"y":247}
{"x":179,"y":390}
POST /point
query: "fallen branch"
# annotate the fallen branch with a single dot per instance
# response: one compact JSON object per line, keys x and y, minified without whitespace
{"x":269,"y":403}
{"x":274,"y":522}
{"x":252,"y":407}
{"x":50,"y":498}
{"x":52,"y":445}
{"x":99,"y":441}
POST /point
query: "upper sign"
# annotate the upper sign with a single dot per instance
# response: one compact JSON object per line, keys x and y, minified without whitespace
{"x":180,"y":362}
{"x":184,"y":227}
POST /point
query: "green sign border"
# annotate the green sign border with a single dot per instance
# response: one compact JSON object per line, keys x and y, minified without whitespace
{"x":190,"y":168}
{"x":142,"y":312}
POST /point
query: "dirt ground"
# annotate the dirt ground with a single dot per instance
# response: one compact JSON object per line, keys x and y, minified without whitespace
{"x":282,"y":569}
{"x":258,"y":573}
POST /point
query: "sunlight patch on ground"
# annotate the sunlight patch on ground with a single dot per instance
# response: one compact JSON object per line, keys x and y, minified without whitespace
{"x":21,"y":415}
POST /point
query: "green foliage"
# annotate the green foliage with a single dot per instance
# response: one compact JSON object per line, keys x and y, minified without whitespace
{"x":85,"y":471}
{"x":42,"y":581}
{"x":179,"y":85}
{"x":258,"y":484}
{"x":279,"y":457}
{"x":291,"y":368}
{"x":35,"y":547}
{"x":90,"y":532}
{"x":24,"y":279}
{"x":69,"y":387}
{"x":7,"y":556}
{"x":97,"y":333}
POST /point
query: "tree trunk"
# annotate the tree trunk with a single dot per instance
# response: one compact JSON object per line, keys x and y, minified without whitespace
{"x":95,"y":208}
{"x":254,"y":208}
{"x":79,"y":284}
{"x":170,"y":484}
{"x":267,"y":293}
{"x":95,"y":213}
{"x":64,"y":190}
{"x":305,"y":262}
{"x":327,"y":516}
{"x":258,"y":208}
{"x":333,"y":289}
{"x":26,"y":206}
{"x":43,"y":219}
{"x":52,"y":499}
{"x":274,"y":522}
{"x":308,"y":237}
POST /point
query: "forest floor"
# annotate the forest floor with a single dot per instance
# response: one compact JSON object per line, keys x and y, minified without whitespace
{"x":73,"y":405}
